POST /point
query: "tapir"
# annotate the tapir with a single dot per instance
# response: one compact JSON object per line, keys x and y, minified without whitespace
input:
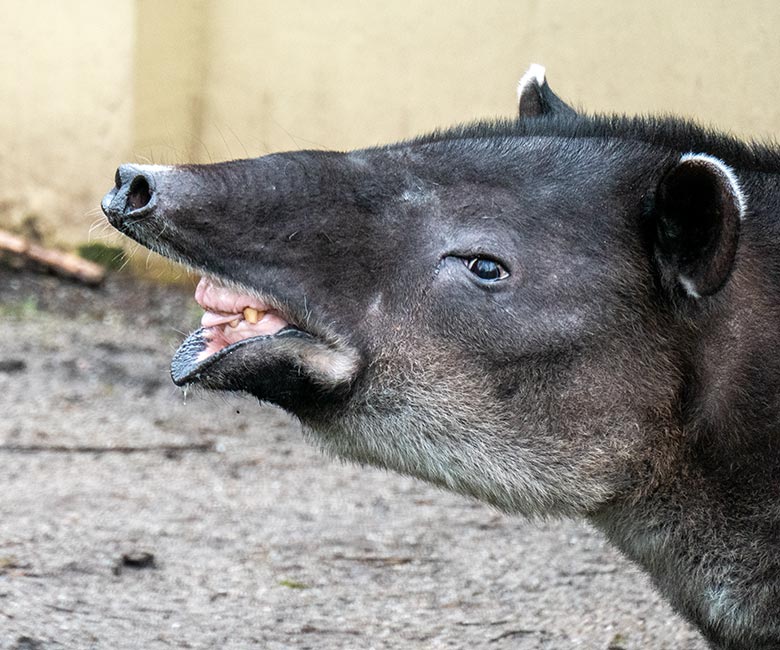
{"x":559,"y":314}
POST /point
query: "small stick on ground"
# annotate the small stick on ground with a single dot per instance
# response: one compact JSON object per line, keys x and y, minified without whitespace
{"x":94,"y":449}
{"x":512,"y":633}
{"x":58,"y":261}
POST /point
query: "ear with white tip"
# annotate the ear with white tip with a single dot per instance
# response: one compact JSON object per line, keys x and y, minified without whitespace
{"x":698,"y":209}
{"x":535,"y":98}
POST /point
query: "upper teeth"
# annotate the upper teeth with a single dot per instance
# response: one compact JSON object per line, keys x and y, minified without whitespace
{"x":252,"y":315}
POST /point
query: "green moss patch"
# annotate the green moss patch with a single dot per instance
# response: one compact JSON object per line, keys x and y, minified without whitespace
{"x":110,"y":257}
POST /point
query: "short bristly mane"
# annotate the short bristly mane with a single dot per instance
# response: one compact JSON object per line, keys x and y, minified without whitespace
{"x":661,"y":131}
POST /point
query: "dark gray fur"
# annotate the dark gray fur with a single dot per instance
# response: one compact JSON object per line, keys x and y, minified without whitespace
{"x":626,"y":371}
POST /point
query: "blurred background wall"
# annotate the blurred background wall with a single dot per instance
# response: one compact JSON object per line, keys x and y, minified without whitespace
{"x":87,"y":84}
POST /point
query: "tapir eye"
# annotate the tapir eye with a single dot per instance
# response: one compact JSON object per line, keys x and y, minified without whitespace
{"x":486,"y":269}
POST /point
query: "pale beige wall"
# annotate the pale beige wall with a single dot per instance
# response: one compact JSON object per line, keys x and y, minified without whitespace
{"x":92,"y":83}
{"x":715,"y":60}
{"x":349,"y":73}
{"x":170,"y":57}
{"x":66,"y":101}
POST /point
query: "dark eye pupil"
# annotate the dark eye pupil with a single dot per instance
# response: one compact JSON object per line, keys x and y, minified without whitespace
{"x":485,"y":269}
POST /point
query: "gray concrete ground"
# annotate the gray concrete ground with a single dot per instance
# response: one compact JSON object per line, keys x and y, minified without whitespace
{"x":256,"y":540}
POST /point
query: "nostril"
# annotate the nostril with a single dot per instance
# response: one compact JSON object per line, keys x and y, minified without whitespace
{"x":117,"y":179}
{"x":140,"y":194}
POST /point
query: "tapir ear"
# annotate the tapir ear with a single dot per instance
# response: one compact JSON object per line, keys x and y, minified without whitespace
{"x":535,"y":98}
{"x":698,"y":208}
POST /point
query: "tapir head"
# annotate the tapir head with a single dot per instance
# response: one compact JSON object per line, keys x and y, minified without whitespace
{"x":501,"y":309}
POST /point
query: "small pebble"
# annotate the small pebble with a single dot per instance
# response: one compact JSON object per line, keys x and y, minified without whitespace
{"x":135,"y":560}
{"x":12,"y":365}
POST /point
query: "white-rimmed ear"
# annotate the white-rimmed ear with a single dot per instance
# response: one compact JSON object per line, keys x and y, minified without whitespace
{"x":698,"y":208}
{"x":534,"y":96}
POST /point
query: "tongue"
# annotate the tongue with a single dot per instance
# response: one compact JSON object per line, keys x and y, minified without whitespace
{"x":224,"y":321}
{"x":212,"y":319}
{"x":220,"y":336}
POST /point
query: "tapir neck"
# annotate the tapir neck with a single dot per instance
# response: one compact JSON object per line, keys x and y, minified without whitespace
{"x":711,"y":544}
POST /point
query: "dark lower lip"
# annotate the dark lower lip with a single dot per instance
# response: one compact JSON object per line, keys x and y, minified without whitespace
{"x":185,"y":367}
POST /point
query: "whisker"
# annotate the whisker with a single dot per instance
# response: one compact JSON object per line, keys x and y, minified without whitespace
{"x":246,"y":153}
{"x":128,"y":257}
{"x":224,"y":141}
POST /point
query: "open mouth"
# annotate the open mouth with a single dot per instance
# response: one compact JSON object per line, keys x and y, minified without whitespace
{"x":231,"y":320}
{"x":249,"y":344}
{"x":232,"y":316}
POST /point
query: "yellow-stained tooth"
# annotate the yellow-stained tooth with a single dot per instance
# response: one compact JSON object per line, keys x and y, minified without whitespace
{"x":252,"y":315}
{"x":234,"y":323}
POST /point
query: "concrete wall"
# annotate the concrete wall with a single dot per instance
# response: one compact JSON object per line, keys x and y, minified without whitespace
{"x":66,"y":102}
{"x":91,"y":84}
